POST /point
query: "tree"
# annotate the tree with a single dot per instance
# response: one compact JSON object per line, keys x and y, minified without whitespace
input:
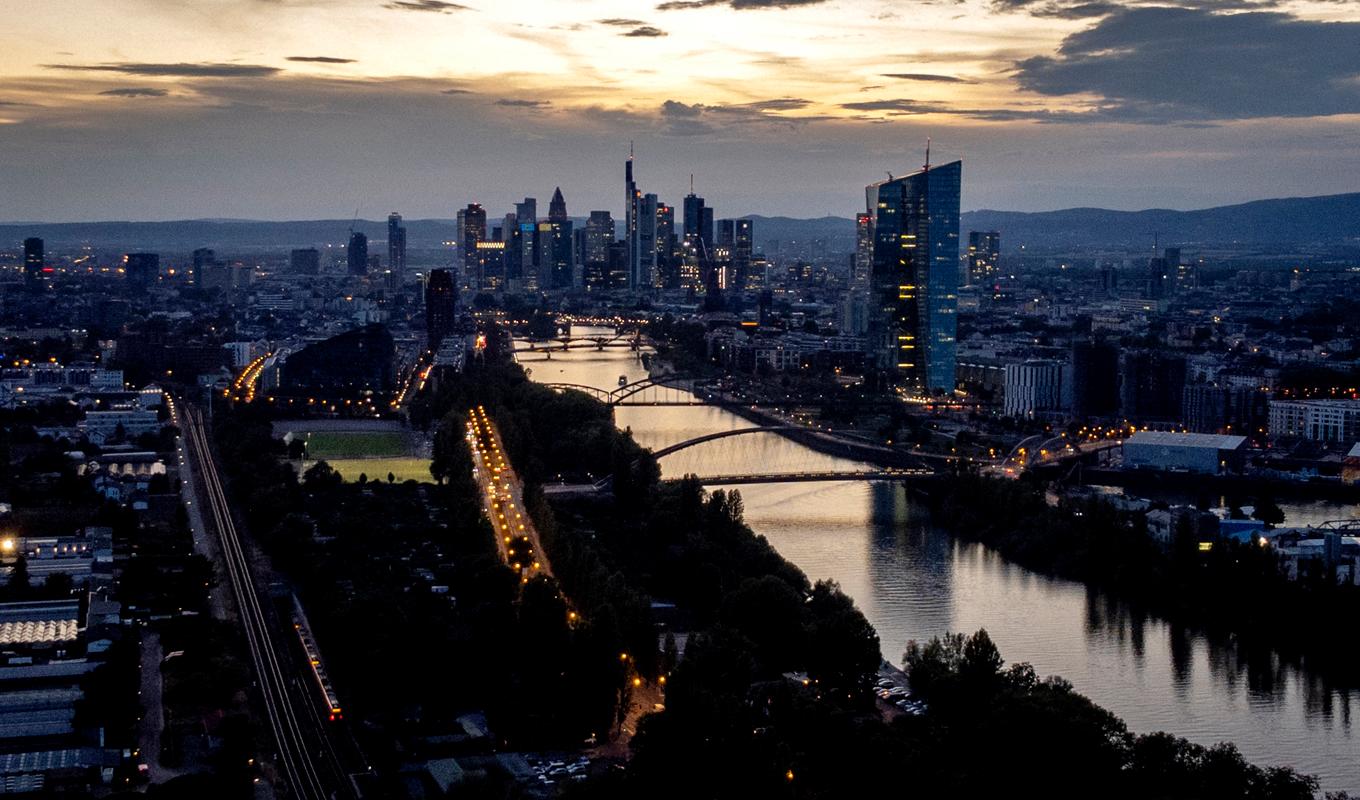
{"x":19,"y":581}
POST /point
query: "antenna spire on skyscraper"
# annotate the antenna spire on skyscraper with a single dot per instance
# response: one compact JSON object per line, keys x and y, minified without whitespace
{"x":927,"y":153}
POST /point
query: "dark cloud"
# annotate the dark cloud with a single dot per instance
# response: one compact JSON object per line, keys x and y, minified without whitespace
{"x":1089,"y":9}
{"x":646,"y":31}
{"x":455,"y":91}
{"x":903,"y":107}
{"x":1187,"y":65}
{"x":434,"y":6}
{"x":695,"y":119}
{"x":921,"y":76}
{"x":136,"y":91}
{"x":181,"y":70}
{"x":511,"y":103}
{"x":621,"y":22}
{"x":739,"y":5}
{"x":320,"y":59}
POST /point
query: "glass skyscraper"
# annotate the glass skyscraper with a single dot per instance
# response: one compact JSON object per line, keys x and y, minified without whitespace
{"x":915,"y":278}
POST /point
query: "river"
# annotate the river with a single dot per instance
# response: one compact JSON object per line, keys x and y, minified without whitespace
{"x":913,"y":581}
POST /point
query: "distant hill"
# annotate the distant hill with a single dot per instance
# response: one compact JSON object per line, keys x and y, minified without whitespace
{"x":1331,"y":220}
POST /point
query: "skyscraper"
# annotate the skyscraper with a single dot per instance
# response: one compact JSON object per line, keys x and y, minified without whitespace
{"x":208,"y":274}
{"x":441,"y":301}
{"x":357,"y":257}
{"x":141,"y":269}
{"x":984,"y":255}
{"x":599,"y":235}
{"x":524,"y":258}
{"x":396,"y":244}
{"x":864,"y":253}
{"x":35,"y":259}
{"x":743,"y":252}
{"x":305,"y":261}
{"x":632,"y":202}
{"x":665,"y":245}
{"x":471,"y":233}
{"x":913,"y":317}
{"x":646,"y":274}
{"x":555,"y":263}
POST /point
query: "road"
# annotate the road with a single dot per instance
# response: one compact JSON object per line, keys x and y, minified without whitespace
{"x":503,"y":496}
{"x":305,"y":758}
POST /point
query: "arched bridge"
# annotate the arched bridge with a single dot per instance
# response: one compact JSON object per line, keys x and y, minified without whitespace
{"x":633,"y":340}
{"x":663,"y":390}
{"x":711,"y":437}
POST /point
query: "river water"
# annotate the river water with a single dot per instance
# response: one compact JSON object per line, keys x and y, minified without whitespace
{"x":914,"y":582}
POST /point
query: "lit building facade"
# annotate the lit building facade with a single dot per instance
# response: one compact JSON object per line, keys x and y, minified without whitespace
{"x":915,"y":277}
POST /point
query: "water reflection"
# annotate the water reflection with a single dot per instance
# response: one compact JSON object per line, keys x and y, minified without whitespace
{"x":914,"y":582}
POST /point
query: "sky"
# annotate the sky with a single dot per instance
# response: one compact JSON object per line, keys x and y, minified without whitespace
{"x":303,"y":109}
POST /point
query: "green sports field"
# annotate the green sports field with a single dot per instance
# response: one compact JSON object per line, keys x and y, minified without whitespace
{"x":332,"y":445}
{"x":404,"y":469}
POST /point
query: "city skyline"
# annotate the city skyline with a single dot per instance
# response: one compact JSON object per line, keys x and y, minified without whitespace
{"x":272,"y":111}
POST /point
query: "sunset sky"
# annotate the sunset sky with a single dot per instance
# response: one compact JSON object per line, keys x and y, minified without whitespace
{"x":292,"y":109}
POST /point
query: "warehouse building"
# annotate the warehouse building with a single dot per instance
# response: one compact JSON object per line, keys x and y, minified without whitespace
{"x":1203,"y":453}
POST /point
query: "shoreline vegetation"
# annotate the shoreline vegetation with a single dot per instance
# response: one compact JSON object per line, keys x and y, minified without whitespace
{"x":767,"y":676}
{"x":1233,"y":590}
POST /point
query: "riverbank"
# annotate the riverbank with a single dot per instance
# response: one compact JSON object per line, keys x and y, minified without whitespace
{"x":914,"y":581}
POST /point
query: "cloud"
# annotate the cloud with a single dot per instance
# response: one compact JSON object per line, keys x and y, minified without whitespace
{"x":1189,"y":64}
{"x":921,"y":76}
{"x":180,"y":70}
{"x":739,"y":5}
{"x":621,"y":22}
{"x":904,"y":107}
{"x":455,"y":91}
{"x":1088,"y":9}
{"x":139,"y":91}
{"x":433,"y":6}
{"x":320,"y":59}
{"x":512,"y":103}
{"x":695,"y":119}
{"x":646,"y":31}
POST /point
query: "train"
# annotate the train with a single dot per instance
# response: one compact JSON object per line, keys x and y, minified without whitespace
{"x":329,"y":702}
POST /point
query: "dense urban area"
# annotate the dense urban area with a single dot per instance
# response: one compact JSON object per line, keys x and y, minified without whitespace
{"x":312,"y":510}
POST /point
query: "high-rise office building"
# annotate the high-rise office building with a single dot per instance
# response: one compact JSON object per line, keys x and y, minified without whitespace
{"x":556,"y":267}
{"x":914,"y":309}
{"x":396,"y":244}
{"x":647,"y":209}
{"x":863,"y":269}
{"x":599,"y":236}
{"x":471,"y":233}
{"x":357,"y":256}
{"x":984,"y":256}
{"x":208,"y":274}
{"x":743,"y":252}
{"x":632,"y":229}
{"x":441,"y":302}
{"x":699,"y":242}
{"x":141,"y":269}
{"x":35,"y":259}
{"x":522,"y":260}
{"x":304,"y":261}
{"x":666,"y":275}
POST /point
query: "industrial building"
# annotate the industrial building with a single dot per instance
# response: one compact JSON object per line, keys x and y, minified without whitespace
{"x":1203,"y":453}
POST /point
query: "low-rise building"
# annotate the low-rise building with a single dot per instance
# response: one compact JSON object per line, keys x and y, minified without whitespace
{"x":1316,"y":420}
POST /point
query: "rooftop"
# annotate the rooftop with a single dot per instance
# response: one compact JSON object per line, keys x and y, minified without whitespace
{"x":1205,"y":440}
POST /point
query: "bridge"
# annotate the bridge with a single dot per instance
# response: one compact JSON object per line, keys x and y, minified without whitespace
{"x":810,"y":477}
{"x":663,"y":390}
{"x":711,"y":437}
{"x":633,"y":341}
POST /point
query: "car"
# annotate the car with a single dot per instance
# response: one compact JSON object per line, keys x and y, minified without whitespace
{"x":897,"y":691}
